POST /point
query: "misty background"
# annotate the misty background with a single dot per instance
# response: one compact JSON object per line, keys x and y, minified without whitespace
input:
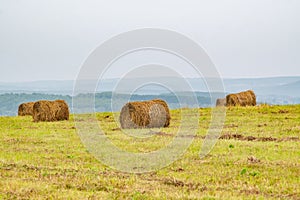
{"x":254,"y":44}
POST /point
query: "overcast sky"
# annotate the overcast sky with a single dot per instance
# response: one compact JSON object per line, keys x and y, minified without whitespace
{"x":50,"y":39}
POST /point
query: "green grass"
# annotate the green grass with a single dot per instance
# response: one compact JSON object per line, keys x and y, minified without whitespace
{"x":48,"y":160}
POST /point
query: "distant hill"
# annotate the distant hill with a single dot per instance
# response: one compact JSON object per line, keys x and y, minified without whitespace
{"x":287,"y":86}
{"x":278,"y":90}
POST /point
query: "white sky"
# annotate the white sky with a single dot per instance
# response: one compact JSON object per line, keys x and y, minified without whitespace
{"x":50,"y":39}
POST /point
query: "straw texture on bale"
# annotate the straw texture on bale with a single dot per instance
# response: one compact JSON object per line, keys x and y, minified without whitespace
{"x":25,"y":109}
{"x":246,"y":98}
{"x":221,"y":102}
{"x":50,"y":111}
{"x":145,"y":114}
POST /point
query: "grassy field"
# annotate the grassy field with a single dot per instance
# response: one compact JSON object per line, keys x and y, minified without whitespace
{"x":256,"y":157}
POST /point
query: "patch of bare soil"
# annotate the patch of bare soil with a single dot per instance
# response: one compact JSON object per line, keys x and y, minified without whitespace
{"x":253,"y":159}
{"x":177,"y":183}
{"x":261,"y":125}
{"x":283,"y":111}
{"x":231,"y":126}
{"x":229,"y":136}
{"x":280,"y":112}
{"x":254,"y":191}
{"x":250,"y":191}
{"x":252,"y":138}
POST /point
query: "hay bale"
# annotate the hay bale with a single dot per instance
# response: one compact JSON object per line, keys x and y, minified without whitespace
{"x":145,"y":114}
{"x":25,"y":109}
{"x":246,"y":98}
{"x":221,"y":102}
{"x":50,"y":111}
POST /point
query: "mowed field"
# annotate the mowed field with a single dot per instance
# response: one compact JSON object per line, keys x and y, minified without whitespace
{"x":256,"y":157}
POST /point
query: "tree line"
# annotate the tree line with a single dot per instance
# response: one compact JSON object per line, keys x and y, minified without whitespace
{"x":10,"y":102}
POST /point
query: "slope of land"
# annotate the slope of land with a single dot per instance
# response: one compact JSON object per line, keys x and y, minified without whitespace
{"x":257,"y":156}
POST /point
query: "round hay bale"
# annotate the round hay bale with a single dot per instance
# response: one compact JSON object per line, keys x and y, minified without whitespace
{"x":62,"y":110}
{"x":145,"y":114}
{"x":221,"y":102}
{"x":246,"y":98}
{"x":25,"y":109}
{"x":50,"y":111}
